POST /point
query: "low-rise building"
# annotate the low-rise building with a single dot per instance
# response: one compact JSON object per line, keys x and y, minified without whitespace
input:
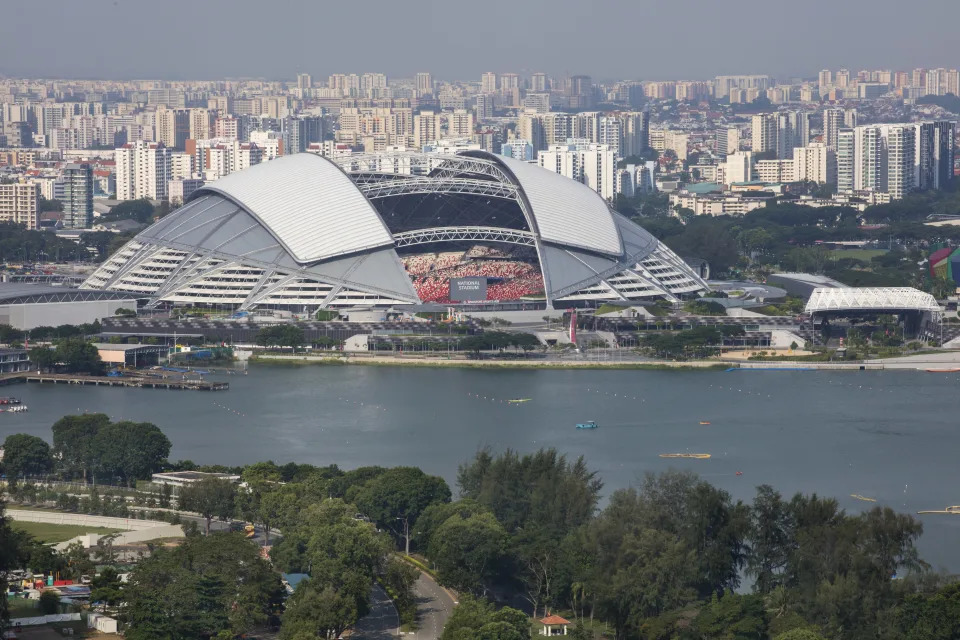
{"x":184,"y":478}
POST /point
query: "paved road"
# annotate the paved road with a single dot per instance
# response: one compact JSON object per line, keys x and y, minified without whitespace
{"x":382,"y":622}
{"x":434,"y":607}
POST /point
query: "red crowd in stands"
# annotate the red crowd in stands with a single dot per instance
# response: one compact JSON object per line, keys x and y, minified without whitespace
{"x":431,"y":273}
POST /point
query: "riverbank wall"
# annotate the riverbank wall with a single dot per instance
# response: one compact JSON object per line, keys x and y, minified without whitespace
{"x":910,"y":363}
{"x":414,"y":361}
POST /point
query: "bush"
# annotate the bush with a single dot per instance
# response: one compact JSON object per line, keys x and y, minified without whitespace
{"x":49,"y":603}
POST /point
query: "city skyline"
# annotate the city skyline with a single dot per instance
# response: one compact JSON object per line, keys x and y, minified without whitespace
{"x":454,"y":43}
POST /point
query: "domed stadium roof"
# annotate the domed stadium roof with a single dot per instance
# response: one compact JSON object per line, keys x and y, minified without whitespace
{"x":306,"y":231}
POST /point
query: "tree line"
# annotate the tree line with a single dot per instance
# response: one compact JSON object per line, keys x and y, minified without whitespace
{"x":671,"y":558}
{"x":88,"y":447}
{"x":674,"y":557}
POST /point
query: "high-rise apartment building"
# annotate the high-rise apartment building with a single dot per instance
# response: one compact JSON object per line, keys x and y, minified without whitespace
{"x":764,"y":128}
{"x":825,"y":78}
{"x":215,"y":158}
{"x":884,"y":158}
{"x":835,"y":119}
{"x":557,"y":128}
{"x":270,"y":144}
{"x":77,"y":196}
{"x":484,"y":102}
{"x":592,"y":164}
{"x":201,"y":124}
{"x":816,"y":163}
{"x":581,"y":92}
{"x":538,"y":82}
{"x":227,"y":127}
{"x":304,"y":81}
{"x":519,"y":149}
{"x":20,"y":203}
{"x":172,"y":127}
{"x":182,"y":163}
{"x":143,"y":170}
{"x":842,"y":79}
{"x":300,"y":131}
{"x":537,"y":102}
{"x":530,"y":126}
{"x":934,"y":154}
{"x":728,"y":140}
{"x":722,"y":85}
{"x":610,"y":133}
{"x":426,"y":129}
{"x":488,"y":82}
{"x":773,"y":171}
{"x":901,"y":144}
{"x":846,"y":160}
{"x":678,"y":142}
{"x":424,"y":84}
{"x":460,"y":124}
{"x":793,"y":130}
{"x":635,"y":129}
{"x":738,"y":167}
{"x":509,"y":81}
{"x":918,"y":79}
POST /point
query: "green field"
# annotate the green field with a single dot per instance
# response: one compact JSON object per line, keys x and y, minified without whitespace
{"x":57,"y":532}
{"x":858,"y":254}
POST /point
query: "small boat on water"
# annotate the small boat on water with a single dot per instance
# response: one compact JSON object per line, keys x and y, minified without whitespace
{"x":953,"y":511}
{"x":20,"y":408}
{"x":704,"y":422}
{"x":519,"y":400}
{"x":952,"y":370}
{"x":696,"y":456}
{"x":590,"y":424}
{"x":9,"y":400}
{"x":863,"y":498}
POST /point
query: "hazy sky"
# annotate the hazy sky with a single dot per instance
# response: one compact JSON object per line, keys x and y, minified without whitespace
{"x":459,"y":39}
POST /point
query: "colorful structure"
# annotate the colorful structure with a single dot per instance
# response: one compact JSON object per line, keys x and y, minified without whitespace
{"x":945,"y":263}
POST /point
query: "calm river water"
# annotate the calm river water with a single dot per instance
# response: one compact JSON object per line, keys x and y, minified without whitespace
{"x":891,"y":435}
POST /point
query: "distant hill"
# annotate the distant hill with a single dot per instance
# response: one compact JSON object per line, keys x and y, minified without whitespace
{"x":949,"y":102}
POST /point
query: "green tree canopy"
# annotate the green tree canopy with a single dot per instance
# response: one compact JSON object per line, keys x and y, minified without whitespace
{"x":211,"y":497}
{"x":205,"y":586}
{"x":466,"y":551}
{"x":76,"y":355}
{"x":131,"y":450}
{"x":75,"y":442}
{"x":395,"y":498}
{"x":26,"y":455}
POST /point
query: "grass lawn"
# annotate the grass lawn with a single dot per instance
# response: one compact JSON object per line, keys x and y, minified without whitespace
{"x":857,"y":254}
{"x":46,"y":532}
{"x":23,"y":608}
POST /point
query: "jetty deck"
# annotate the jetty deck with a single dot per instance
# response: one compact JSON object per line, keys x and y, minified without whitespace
{"x":110,"y":381}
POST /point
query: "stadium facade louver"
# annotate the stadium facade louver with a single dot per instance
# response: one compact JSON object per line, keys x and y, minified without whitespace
{"x":305,"y":232}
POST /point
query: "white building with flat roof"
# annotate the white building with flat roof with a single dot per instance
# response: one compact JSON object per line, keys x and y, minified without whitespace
{"x":143,"y":171}
{"x":20,"y":203}
{"x":591,"y":164}
{"x":816,"y":163}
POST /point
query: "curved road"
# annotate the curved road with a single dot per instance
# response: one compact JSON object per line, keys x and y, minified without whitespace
{"x":382,"y":623}
{"x":434,"y":607}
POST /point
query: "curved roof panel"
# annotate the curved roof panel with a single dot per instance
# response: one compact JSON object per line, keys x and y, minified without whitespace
{"x":301,"y":199}
{"x":566,"y":211}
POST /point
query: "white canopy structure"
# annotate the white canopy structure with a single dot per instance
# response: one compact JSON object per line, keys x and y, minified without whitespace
{"x":871,"y":299}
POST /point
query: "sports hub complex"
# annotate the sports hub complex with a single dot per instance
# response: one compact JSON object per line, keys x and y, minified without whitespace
{"x":304,"y":233}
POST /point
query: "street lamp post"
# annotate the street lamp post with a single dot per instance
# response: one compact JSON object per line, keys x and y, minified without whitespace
{"x":406,"y":533}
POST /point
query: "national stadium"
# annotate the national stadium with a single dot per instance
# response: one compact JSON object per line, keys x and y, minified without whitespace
{"x":305,"y":233}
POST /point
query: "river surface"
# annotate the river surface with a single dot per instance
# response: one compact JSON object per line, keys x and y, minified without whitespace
{"x":889,"y":435}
